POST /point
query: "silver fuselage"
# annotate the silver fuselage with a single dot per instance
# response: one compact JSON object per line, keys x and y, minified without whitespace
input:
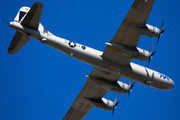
{"x":94,"y":57}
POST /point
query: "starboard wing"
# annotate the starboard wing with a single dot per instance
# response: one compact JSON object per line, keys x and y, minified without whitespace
{"x":81,"y":105}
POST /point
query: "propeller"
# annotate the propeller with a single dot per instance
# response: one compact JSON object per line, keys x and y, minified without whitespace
{"x":151,"y":54}
{"x":161,"y":31}
{"x":115,"y":104}
{"x":130,"y":87}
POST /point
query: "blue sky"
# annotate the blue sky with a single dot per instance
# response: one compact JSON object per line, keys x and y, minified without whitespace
{"x":40,"y":82}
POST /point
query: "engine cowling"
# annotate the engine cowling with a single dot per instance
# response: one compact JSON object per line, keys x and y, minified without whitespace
{"x":102,"y":103}
{"x":148,"y":30}
{"x":117,"y":86}
{"x":141,"y":54}
{"x":136,"y":53}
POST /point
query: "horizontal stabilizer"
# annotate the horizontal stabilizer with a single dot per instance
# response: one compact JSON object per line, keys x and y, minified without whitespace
{"x":18,"y":42}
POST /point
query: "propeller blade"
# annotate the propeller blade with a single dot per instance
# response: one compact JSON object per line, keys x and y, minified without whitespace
{"x":151,"y":49}
{"x":159,"y":36}
{"x":149,"y":61}
{"x":161,"y":31}
{"x":162,"y":25}
{"x":115,"y":100}
{"x":129,"y":83}
{"x":130,"y":87}
{"x":158,"y":40}
{"x":128,"y":93}
{"x":112,"y":111}
{"x":115,"y":104}
{"x":151,"y":54}
{"x":114,"y":108}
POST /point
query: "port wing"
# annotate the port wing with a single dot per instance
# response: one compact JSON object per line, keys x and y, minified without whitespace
{"x":127,"y":35}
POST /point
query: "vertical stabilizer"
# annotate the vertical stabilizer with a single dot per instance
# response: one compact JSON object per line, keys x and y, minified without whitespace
{"x":30,"y":18}
{"x":19,"y":39}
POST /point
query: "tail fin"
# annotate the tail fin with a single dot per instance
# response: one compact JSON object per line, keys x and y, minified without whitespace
{"x":28,"y":17}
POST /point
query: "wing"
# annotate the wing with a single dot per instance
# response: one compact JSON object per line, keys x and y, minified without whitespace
{"x":126,"y":34}
{"x":81,"y":106}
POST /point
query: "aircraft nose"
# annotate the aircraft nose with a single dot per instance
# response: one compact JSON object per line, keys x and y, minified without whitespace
{"x":172,"y":84}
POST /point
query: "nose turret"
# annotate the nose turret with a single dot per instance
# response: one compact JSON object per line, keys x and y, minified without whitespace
{"x":171,"y":84}
{"x":167,"y":82}
{"x":163,"y":82}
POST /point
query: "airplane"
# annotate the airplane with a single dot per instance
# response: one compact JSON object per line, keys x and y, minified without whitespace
{"x":109,"y":66}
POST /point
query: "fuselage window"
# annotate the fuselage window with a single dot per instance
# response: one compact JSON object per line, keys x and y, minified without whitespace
{"x":83,"y":47}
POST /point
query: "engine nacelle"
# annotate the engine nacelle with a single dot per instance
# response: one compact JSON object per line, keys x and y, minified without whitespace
{"x":102,"y":103}
{"x":117,"y":86}
{"x":141,"y":54}
{"x":147,"y":30}
{"x":136,"y":53}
